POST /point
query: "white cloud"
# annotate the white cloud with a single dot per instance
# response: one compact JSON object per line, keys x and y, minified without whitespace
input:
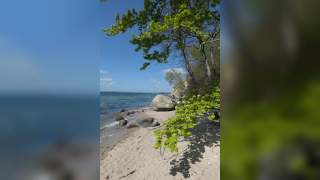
{"x":106,"y":80}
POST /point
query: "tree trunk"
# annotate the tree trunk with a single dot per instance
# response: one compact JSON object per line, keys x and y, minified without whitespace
{"x":206,"y":60}
{"x":209,"y":73}
{"x":188,"y":67}
{"x":215,"y":74}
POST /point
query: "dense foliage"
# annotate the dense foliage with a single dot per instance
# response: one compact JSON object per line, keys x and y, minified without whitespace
{"x":186,"y":117}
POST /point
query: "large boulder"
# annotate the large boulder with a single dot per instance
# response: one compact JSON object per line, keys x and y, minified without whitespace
{"x":162,"y":103}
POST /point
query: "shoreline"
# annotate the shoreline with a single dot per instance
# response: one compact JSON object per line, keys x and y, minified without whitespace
{"x":133,"y":156}
{"x":112,"y":134}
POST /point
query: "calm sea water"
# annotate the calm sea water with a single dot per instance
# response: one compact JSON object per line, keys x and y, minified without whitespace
{"x":27,"y":122}
{"x":34,"y":128}
{"x":115,"y":101}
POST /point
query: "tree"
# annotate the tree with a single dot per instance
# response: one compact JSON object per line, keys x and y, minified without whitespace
{"x":206,"y":62}
{"x":176,"y":79}
{"x":170,"y":26}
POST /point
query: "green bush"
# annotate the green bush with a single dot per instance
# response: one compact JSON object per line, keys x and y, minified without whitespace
{"x":186,"y":117}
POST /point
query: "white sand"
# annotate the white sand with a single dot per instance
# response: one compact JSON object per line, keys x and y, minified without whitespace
{"x":136,"y":159}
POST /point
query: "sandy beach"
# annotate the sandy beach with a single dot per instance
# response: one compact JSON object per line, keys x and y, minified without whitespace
{"x":135,"y":158}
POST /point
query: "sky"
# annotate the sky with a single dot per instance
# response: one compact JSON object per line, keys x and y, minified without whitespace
{"x":50,"y":46}
{"x":58,"y":47}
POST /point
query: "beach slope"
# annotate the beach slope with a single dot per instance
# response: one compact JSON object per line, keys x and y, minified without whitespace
{"x":135,"y":158}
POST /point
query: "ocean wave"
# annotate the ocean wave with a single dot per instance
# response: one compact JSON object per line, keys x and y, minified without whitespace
{"x":113,"y":124}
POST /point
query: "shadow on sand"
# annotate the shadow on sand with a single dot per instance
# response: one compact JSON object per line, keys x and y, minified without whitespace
{"x":205,"y":133}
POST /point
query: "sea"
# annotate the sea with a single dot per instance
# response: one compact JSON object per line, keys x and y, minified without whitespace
{"x":32,"y":120}
{"x":32,"y":124}
{"x":115,"y":101}
{"x":33,"y":127}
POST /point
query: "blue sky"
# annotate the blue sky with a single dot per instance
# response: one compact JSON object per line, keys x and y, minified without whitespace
{"x":50,"y":46}
{"x":59,"y":47}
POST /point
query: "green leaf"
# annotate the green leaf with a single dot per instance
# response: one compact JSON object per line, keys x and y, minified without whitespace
{"x":144,"y":66}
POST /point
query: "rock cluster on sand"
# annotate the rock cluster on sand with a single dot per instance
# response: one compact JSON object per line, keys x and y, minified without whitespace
{"x":162,"y":103}
{"x":142,"y":122}
{"x":132,"y":119}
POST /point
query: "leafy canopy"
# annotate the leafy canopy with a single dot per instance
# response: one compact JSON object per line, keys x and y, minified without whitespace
{"x":167,"y":25}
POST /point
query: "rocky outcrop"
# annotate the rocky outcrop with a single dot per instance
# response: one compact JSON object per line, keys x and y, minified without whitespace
{"x":162,"y":103}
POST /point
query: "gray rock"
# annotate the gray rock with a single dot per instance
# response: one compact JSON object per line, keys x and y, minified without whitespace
{"x":130,"y":112}
{"x":162,"y":103}
{"x":123,"y":122}
{"x":146,"y":122}
{"x":132,"y":125}
{"x":156,"y":123}
{"x":141,"y":122}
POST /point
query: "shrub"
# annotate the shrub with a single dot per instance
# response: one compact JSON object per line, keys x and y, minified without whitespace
{"x":186,"y":117}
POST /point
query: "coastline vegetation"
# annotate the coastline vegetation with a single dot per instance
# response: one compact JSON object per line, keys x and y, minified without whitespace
{"x":190,"y":30}
{"x":186,"y":117}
